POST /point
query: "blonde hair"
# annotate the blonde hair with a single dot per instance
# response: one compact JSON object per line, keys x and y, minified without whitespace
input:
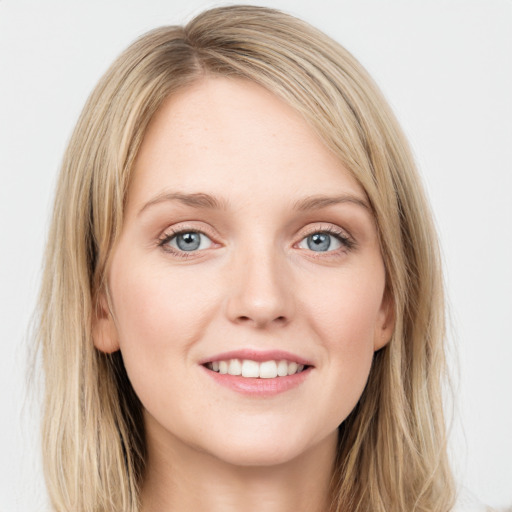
{"x":392,"y":447}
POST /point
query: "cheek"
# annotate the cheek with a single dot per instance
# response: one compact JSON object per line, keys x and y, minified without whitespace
{"x":346,"y":308}
{"x":158,"y":317}
{"x":345,"y":318}
{"x":153,"y":303}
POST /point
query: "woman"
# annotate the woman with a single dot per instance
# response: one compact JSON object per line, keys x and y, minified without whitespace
{"x":242,"y":304}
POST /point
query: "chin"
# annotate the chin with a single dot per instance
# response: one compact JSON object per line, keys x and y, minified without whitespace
{"x":261,"y":451}
{"x":257,"y":456}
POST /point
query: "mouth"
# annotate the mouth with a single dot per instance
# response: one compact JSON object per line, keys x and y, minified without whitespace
{"x":251,"y":369}
{"x":257,"y":373}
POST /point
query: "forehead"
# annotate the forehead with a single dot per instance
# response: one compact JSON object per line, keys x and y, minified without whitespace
{"x":235,"y":139}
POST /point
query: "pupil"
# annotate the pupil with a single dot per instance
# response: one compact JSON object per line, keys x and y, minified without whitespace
{"x":188,"y":241}
{"x":319,"y":242}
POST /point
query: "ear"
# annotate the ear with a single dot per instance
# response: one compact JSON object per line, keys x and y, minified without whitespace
{"x":385,"y":323}
{"x":104,"y":332}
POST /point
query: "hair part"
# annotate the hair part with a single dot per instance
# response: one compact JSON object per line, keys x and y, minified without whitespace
{"x":392,"y":447}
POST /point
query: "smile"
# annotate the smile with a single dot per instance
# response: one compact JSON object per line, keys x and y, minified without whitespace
{"x":258,"y":373}
{"x":253,"y":369}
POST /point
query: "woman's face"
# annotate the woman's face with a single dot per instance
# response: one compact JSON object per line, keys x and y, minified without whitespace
{"x":246,"y":247}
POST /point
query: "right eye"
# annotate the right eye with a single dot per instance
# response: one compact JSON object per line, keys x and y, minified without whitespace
{"x":186,"y":241}
{"x":321,"y":242}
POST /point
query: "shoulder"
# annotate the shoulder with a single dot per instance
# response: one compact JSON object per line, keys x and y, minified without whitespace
{"x":467,"y":502}
{"x":472,"y":508}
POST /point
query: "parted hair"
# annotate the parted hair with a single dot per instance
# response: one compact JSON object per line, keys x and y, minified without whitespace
{"x":391,"y":453}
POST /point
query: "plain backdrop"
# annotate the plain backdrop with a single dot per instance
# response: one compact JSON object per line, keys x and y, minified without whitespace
{"x":445,"y":67}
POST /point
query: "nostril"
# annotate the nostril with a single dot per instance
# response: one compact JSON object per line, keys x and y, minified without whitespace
{"x":248,"y":319}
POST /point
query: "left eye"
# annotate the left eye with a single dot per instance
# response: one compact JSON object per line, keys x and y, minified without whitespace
{"x":189,"y":241}
{"x":321,"y":242}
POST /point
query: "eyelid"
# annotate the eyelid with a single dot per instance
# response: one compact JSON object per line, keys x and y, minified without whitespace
{"x":344,"y":237}
{"x":187,"y":226}
{"x":327,"y":228}
{"x":175,"y":230}
{"x":173,"y":241}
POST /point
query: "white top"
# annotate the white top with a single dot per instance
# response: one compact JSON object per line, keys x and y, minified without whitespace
{"x":467,"y":502}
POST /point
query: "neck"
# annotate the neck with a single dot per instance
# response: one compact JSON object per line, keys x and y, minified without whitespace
{"x":180,"y":478}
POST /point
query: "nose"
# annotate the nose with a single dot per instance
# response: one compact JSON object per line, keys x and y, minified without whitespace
{"x":261,"y":292}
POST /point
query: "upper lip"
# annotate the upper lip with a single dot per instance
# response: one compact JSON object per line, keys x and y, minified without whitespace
{"x":258,"y":355}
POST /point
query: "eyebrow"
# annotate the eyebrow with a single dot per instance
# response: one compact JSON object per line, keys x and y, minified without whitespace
{"x":322,"y":201}
{"x":198,"y":200}
{"x":206,"y":201}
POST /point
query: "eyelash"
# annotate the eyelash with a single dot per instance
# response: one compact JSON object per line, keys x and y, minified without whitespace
{"x":347,"y":242}
{"x":172,"y":233}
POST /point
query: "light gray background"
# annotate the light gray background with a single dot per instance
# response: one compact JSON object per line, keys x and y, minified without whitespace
{"x":444,"y":65}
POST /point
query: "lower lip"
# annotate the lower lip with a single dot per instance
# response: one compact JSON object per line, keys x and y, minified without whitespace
{"x":259,"y":387}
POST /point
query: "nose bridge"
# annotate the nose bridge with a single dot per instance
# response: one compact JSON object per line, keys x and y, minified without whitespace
{"x":260,"y":289}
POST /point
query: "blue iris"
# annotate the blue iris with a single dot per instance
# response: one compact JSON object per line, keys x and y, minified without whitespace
{"x":189,"y":241}
{"x":319,"y":242}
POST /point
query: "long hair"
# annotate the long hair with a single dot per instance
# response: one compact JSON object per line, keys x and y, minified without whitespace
{"x":392,"y":448}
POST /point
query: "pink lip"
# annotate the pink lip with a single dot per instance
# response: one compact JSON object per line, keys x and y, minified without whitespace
{"x":259,"y":356}
{"x":258,"y":387}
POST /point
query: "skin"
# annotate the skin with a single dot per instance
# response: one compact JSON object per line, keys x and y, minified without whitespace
{"x":254,"y":283}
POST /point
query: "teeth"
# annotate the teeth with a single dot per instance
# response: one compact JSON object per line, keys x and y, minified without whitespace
{"x":235,"y":367}
{"x":282,"y":368}
{"x":268,"y":370}
{"x":292,"y":368}
{"x":253,"y":369}
{"x":250,"y":368}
